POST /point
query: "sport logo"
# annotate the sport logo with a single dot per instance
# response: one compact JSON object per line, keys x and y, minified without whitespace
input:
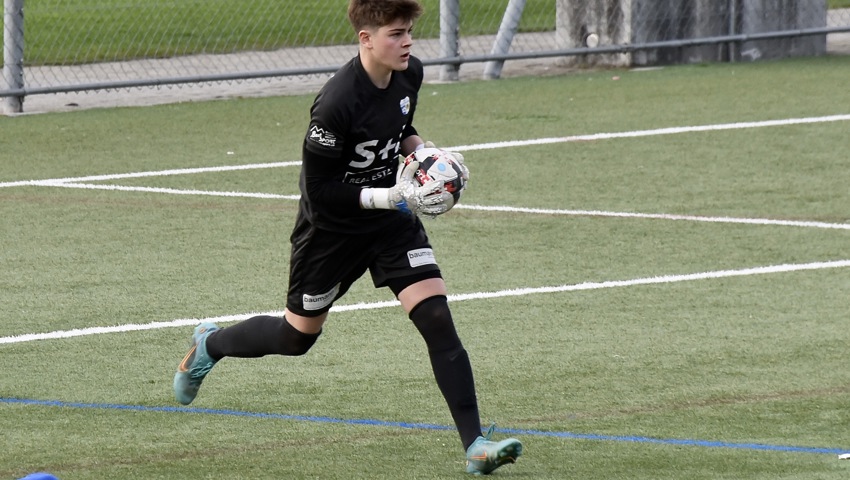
{"x":405,"y":105}
{"x":322,"y":137}
{"x":320,"y":301}
{"x":422,"y":256}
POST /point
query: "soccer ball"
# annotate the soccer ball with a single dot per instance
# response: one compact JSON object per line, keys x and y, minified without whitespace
{"x":436,"y":164}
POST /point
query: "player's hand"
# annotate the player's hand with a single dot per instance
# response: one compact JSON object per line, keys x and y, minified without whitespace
{"x":407,"y":196}
{"x":458,"y":157}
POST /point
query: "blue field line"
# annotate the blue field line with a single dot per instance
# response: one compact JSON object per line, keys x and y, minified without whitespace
{"x":428,"y":426}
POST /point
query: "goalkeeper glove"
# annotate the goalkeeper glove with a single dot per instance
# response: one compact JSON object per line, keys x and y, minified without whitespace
{"x":407,"y":196}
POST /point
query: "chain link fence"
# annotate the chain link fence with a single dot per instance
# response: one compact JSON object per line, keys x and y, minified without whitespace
{"x":56,"y":46}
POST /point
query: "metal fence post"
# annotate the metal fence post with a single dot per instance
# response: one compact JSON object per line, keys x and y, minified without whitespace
{"x":507,"y":30}
{"x":13,"y":52}
{"x":449,"y":41}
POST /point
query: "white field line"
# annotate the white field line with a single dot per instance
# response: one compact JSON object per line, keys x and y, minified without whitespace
{"x":76,"y":182}
{"x":454,"y":298}
{"x":459,"y":148}
{"x":659,"y":131}
{"x":58,"y":182}
{"x":660,"y":216}
{"x":173,"y":191}
{"x":493,"y":208}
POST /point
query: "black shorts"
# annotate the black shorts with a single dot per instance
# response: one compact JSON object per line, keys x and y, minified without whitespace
{"x":325,"y":264}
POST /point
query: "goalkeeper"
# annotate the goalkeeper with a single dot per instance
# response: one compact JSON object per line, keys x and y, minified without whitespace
{"x":357,"y":213}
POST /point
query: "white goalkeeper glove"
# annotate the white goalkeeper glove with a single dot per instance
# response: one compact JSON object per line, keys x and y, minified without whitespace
{"x":407,"y":196}
{"x":457,"y":156}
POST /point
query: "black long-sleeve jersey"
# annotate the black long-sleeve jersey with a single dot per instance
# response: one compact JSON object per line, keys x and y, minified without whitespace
{"x":353,"y":141}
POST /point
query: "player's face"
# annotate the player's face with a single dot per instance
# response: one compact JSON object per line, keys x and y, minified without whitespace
{"x":391,"y":45}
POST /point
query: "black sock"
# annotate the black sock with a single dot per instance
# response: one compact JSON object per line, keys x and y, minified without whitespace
{"x":259,"y":336}
{"x":450,"y":363}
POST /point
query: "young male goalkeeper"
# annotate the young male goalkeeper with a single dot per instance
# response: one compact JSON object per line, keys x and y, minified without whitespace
{"x":357,"y":214}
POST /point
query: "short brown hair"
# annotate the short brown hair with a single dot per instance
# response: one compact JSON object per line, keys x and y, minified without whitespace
{"x":365,"y":14}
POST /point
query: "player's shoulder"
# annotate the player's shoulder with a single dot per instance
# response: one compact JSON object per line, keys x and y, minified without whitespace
{"x":415,"y":67}
{"x":343,"y":88}
{"x":343,"y":80}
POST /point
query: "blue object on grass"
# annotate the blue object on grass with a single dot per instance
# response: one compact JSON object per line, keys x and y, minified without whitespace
{"x":39,"y":476}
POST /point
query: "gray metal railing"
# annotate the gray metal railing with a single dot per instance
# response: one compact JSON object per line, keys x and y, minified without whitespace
{"x":572,"y":32}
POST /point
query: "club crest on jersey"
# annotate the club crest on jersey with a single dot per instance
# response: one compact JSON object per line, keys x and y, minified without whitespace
{"x":405,"y":105}
{"x":322,"y":137}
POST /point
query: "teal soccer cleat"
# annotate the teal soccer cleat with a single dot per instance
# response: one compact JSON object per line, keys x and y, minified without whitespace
{"x":195,"y":365}
{"x":485,"y":455}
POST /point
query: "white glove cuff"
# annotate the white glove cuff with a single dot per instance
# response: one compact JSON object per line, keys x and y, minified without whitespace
{"x":372,"y":198}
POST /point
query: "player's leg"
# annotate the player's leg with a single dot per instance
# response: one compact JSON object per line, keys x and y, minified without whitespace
{"x":426,"y":305}
{"x":262,"y":335}
{"x":322,"y":268}
{"x":428,"y":309}
{"x":408,"y":267}
{"x":255,"y":337}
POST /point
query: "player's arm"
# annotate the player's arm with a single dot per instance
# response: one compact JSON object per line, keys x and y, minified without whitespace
{"x":411,"y":144}
{"x":323,"y":189}
{"x":342,"y":198}
{"x":407,"y":195}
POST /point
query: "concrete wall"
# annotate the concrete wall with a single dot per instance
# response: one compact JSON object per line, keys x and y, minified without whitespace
{"x":785,"y":15}
{"x":661,"y":20}
{"x":609,"y":20}
{"x":636,"y":22}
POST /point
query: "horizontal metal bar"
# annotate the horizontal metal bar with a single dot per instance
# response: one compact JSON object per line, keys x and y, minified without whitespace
{"x":627,"y":48}
{"x":611,"y":49}
{"x":156,"y":82}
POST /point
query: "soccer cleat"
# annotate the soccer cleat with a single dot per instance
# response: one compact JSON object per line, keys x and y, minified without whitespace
{"x":195,"y":365}
{"x":485,"y":455}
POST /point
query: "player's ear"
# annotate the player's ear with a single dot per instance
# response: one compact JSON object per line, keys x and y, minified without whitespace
{"x":365,"y":37}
